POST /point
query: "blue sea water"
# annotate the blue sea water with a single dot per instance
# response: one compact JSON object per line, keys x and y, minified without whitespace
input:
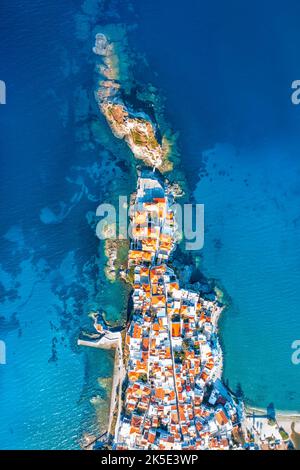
{"x":54,"y":173}
{"x":225,"y":70}
{"x":252,"y":248}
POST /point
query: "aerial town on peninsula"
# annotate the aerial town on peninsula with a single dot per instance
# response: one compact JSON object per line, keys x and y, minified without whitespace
{"x":167,"y":389}
{"x":173,"y":358}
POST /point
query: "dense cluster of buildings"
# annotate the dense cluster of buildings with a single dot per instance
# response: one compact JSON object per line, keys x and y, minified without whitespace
{"x":173,"y":397}
{"x":167,"y":392}
{"x":152,"y":224}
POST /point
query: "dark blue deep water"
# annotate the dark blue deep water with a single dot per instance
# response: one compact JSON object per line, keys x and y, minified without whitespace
{"x":225,"y":70}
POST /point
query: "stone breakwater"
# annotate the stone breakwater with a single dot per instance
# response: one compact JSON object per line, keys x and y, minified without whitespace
{"x":111,"y":340}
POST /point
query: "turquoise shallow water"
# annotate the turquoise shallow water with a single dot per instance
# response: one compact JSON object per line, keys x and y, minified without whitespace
{"x":225,"y":69}
{"x":251,"y":246}
{"x":54,"y":173}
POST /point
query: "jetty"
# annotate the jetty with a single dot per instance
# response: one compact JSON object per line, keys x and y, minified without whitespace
{"x":112,"y":340}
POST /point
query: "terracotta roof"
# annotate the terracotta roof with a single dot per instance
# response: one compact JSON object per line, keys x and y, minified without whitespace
{"x":176,"y":329}
{"x":221,"y":418}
